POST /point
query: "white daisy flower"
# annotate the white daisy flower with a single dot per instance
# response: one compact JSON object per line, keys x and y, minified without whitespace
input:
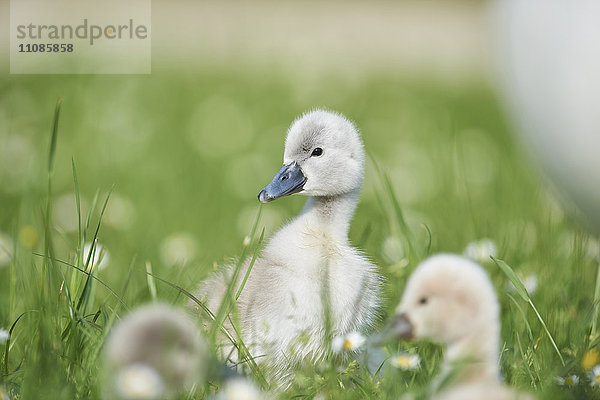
{"x":120,"y":212}
{"x":6,"y":248}
{"x":139,"y":381}
{"x":481,"y":250}
{"x":178,"y":248}
{"x":4,"y":335}
{"x":354,"y":340}
{"x":569,"y":380}
{"x":64,"y":212}
{"x":351,"y":341}
{"x":405,"y":361}
{"x":240,"y":389}
{"x":594,"y":375}
{"x":100,"y":256}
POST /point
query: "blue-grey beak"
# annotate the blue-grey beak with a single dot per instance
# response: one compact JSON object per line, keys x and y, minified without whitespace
{"x":288,"y":180}
{"x":399,"y":327}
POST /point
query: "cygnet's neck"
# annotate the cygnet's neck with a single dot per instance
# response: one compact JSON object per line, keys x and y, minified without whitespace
{"x":476,"y":356}
{"x":331,"y":213}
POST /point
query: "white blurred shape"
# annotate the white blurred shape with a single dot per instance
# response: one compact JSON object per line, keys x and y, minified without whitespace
{"x":16,"y":162}
{"x":392,"y":249}
{"x":413,"y":173}
{"x":159,"y":345}
{"x":6,"y":249}
{"x":593,"y":247}
{"x":139,"y":381}
{"x":119,"y":212}
{"x":65,"y":212}
{"x":549,"y":65}
{"x":240,"y":389}
{"x":405,"y":361}
{"x":349,"y":342}
{"x":4,"y":335}
{"x":178,"y":248}
{"x":100,"y":256}
{"x":530,"y":282}
{"x":481,"y":250}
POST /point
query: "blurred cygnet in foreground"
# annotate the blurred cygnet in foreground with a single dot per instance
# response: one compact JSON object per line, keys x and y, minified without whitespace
{"x":155,"y":352}
{"x":548,"y":61}
{"x":451,"y":300}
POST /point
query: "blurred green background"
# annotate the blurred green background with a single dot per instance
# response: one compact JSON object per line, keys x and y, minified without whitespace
{"x":189,"y":151}
{"x":188,"y":147}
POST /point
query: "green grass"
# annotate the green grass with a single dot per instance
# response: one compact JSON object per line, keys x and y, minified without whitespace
{"x":187,"y":152}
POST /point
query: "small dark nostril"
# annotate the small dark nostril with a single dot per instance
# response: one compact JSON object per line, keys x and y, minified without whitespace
{"x":283,"y":178}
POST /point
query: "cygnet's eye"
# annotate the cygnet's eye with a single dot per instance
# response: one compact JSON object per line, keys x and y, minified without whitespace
{"x":317,"y":152}
{"x":423,"y":300}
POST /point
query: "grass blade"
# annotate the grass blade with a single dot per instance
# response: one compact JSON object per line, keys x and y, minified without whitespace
{"x":522,"y":291}
{"x":399,"y":214}
{"x":254,"y":256}
{"x":513,"y":278}
{"x":48,"y":213}
{"x":522,"y":312}
{"x":54,"y":136}
{"x":90,"y":276}
{"x":400,"y":217}
{"x":547,"y":332}
{"x":78,"y":203}
{"x":228,"y":299}
{"x":150,"y":280}
{"x":10,"y":331}
{"x":85,"y":293}
{"x":200,"y":304}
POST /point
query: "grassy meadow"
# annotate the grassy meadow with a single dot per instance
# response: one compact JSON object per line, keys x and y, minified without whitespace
{"x":183,"y":155}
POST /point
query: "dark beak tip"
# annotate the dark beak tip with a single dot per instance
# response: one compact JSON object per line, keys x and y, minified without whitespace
{"x":403,"y":327}
{"x":407,"y":336}
{"x":263,"y":197}
{"x":399,"y":328}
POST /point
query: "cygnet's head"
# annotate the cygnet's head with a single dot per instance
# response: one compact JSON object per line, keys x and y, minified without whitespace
{"x":323,"y":156}
{"x":157,"y":346}
{"x":447,"y":299}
